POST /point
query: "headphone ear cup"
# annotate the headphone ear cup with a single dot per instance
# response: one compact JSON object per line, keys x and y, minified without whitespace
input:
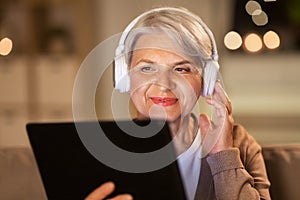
{"x":211,"y":69}
{"x":121,"y":77}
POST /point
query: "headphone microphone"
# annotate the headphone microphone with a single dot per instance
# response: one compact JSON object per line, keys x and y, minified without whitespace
{"x":121,"y":75}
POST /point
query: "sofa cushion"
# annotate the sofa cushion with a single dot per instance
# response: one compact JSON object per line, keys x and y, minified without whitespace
{"x":19,"y":176}
{"x":283,"y":168}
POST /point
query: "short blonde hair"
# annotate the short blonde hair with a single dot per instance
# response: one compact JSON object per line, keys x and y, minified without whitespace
{"x":184,"y":29}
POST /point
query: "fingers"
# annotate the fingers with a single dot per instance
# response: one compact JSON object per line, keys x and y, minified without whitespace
{"x":106,"y":189}
{"x":220,"y":100}
{"x":221,"y":96}
{"x":209,"y":139}
{"x":218,"y":136}
{"x":218,"y":113}
{"x":101,"y":192}
{"x":122,"y":197}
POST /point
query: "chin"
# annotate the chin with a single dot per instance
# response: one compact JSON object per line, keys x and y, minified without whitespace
{"x":163,"y":117}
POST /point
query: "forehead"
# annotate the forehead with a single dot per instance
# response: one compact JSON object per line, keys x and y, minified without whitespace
{"x":159,"y":44}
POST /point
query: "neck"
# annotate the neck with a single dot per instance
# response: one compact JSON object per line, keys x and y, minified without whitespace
{"x":186,"y":132}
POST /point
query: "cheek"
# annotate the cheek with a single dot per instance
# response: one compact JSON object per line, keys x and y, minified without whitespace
{"x":133,"y":83}
{"x":190,"y":87}
{"x":197,"y":86}
{"x":190,"y":91}
{"x":138,"y":96}
{"x":137,"y":81}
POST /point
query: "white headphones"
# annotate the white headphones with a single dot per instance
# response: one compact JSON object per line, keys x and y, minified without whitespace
{"x":121,"y":76}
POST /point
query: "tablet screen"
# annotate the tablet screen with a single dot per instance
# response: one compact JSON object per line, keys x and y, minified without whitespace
{"x":69,"y":171}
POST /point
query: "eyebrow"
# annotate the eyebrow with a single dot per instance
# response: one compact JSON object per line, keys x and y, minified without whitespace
{"x":152,"y":62}
{"x":183,"y":62}
{"x":145,"y":61}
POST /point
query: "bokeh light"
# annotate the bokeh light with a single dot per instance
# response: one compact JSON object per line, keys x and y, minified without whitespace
{"x":253,"y":43}
{"x":271,"y":40}
{"x":6,"y":46}
{"x":253,"y":8}
{"x":260,"y":19}
{"x":233,"y":40}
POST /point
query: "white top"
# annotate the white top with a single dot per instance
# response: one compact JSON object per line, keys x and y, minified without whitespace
{"x":189,"y":163}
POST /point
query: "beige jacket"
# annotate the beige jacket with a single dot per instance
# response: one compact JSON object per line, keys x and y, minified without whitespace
{"x":235,"y":174}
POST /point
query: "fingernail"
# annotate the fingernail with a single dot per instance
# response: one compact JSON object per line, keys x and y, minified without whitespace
{"x":128,"y":197}
{"x":109,"y":185}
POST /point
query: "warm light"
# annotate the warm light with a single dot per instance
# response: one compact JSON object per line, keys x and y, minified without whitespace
{"x":257,"y":12}
{"x":271,"y":40}
{"x":260,"y":19}
{"x":5,"y":46}
{"x":232,"y":40}
{"x":253,"y":43}
{"x":253,"y":8}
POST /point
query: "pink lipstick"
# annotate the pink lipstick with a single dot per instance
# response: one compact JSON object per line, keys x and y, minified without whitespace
{"x":164,"y":101}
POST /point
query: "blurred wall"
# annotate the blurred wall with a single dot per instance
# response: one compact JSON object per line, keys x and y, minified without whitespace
{"x":265,"y":93}
{"x":50,"y":40}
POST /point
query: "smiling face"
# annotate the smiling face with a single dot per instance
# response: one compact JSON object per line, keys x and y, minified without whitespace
{"x":164,"y":85}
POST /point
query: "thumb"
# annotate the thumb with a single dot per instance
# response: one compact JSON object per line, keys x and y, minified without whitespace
{"x":204,"y":124}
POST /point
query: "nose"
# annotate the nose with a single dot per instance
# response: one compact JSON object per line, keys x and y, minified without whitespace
{"x":165,"y":80}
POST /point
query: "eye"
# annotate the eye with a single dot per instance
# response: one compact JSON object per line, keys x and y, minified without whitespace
{"x":182,"y":69}
{"x":148,"y":68}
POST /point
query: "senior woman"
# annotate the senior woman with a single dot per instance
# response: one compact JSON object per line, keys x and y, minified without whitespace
{"x":167,"y":60}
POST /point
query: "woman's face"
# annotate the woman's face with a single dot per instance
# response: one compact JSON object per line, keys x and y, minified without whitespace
{"x":164,"y":85}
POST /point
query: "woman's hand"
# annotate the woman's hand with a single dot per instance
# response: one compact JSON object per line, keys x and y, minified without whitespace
{"x":104,"y":190}
{"x":217,"y":134}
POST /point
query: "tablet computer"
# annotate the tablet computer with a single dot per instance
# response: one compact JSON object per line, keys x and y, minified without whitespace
{"x":71,"y":168}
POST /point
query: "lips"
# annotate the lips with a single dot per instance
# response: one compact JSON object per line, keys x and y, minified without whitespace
{"x":164,"y":101}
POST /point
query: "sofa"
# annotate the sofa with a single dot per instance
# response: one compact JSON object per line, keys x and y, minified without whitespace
{"x":19,"y":176}
{"x":283,"y":168}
